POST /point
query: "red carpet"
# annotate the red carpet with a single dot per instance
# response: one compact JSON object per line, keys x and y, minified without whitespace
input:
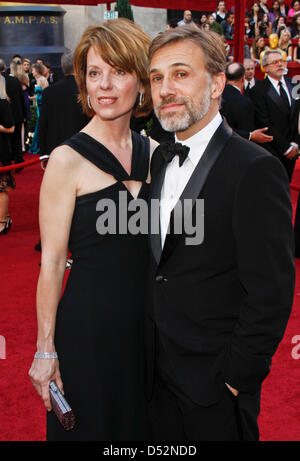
{"x":22,"y":415}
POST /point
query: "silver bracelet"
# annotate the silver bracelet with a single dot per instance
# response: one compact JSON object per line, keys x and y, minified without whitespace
{"x":45,"y":355}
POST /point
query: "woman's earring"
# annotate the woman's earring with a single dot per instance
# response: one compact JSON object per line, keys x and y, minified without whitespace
{"x":141,"y":99}
{"x":89,"y":102}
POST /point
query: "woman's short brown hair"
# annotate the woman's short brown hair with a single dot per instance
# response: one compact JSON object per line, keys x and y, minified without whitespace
{"x":39,"y":68}
{"x":210,"y":43}
{"x":122,"y":44}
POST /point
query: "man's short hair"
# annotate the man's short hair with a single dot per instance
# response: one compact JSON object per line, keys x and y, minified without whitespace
{"x":229,"y":13}
{"x":248,"y":61}
{"x":266,"y":54}
{"x":235,"y":71}
{"x":210,"y":43}
{"x":67,"y":62}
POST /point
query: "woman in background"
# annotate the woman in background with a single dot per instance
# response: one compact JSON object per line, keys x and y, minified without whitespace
{"x":297,"y":52}
{"x":257,"y":47}
{"x":274,"y":12}
{"x":295,"y":9}
{"x":295,"y":30}
{"x":7,"y":181}
{"x":256,"y":15}
{"x":25,"y":82}
{"x":285,"y":43}
{"x":264,"y":26}
{"x":279,"y":25}
{"x":221,"y":12}
{"x":41,"y":83}
{"x":17,"y":70}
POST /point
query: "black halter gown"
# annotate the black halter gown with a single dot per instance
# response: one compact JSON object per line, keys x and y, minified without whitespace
{"x":99,"y":324}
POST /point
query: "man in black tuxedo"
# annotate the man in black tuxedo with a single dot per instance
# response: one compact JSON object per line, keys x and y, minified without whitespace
{"x":222,"y":276}
{"x":17,"y":104}
{"x":275,"y":107}
{"x":250,"y":79}
{"x":239,"y":109}
{"x":61,"y":114}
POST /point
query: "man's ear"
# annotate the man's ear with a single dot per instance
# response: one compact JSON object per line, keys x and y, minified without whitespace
{"x":218,"y":85}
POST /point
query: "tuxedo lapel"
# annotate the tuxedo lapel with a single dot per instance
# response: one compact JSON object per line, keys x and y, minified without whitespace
{"x":197,"y":182}
{"x":154,"y":216}
{"x":290,"y":88}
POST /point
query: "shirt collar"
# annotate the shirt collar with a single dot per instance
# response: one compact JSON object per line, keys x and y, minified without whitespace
{"x":275,"y":82}
{"x":199,"y":141}
{"x":252,"y":82}
{"x":237,"y":88}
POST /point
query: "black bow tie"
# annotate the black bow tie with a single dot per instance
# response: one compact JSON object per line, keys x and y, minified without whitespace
{"x":168,"y":151}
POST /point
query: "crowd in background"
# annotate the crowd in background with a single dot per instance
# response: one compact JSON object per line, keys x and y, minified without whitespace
{"x":24,"y":82}
{"x":21,"y":88}
{"x":282,"y":18}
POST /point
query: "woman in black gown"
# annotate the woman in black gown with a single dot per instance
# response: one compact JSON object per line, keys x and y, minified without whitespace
{"x":97,"y":327}
{"x":7,"y":181}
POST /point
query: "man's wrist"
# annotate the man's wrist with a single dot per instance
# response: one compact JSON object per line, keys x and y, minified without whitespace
{"x":287,"y":152}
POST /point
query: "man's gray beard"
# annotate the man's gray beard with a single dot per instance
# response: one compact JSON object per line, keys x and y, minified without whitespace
{"x":192,"y":114}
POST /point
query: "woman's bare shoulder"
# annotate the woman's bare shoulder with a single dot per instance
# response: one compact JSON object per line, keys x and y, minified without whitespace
{"x":64,"y":157}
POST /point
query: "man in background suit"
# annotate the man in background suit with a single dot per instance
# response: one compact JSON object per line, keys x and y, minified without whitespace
{"x":250,"y":79}
{"x":17,"y":104}
{"x":228,"y":26}
{"x":239,"y":109}
{"x":187,"y":18}
{"x":276,"y":108}
{"x":221,"y":280}
{"x":61,"y":114}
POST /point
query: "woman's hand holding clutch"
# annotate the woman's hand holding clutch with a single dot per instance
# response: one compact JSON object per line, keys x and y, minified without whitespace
{"x":42,"y":371}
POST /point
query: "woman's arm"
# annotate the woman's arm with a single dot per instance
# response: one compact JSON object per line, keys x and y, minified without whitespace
{"x":11,"y":129}
{"x":57,"y":200}
{"x":290,"y":51}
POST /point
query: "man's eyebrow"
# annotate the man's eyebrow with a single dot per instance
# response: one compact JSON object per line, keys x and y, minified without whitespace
{"x":175,"y":64}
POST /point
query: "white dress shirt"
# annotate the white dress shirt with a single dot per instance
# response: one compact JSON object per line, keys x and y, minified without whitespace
{"x":176,"y":178}
{"x":275,"y":83}
{"x":252,"y":83}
